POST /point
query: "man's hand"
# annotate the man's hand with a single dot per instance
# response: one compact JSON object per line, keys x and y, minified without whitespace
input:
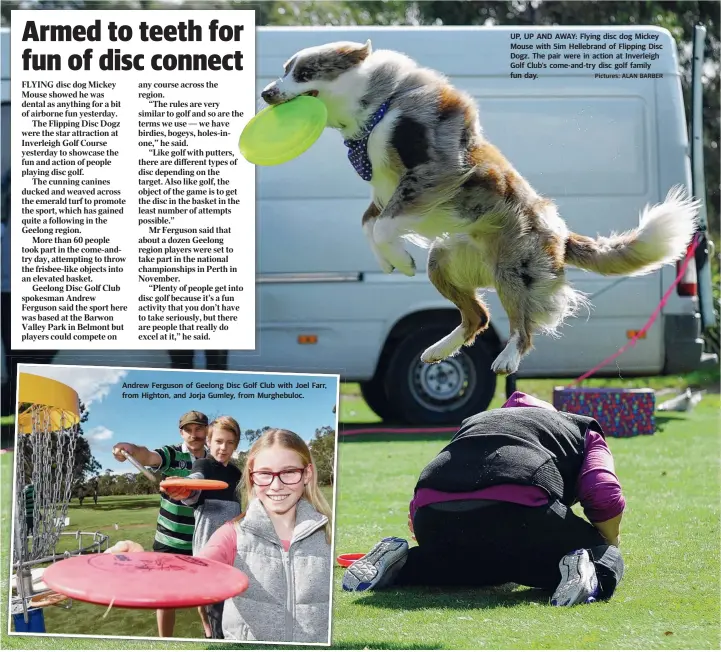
{"x":178,"y":493}
{"x":122,"y":446}
{"x":140,"y":453}
{"x":611,"y":529}
{"x":410,"y":527}
{"x":125,"y":546}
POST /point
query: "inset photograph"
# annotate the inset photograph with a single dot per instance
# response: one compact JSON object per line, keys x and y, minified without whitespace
{"x":174,"y":504}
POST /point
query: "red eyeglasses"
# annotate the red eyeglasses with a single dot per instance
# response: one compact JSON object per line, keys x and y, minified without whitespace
{"x":286,"y":476}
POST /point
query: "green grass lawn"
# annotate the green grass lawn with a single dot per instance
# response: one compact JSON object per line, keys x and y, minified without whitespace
{"x":669,"y":598}
{"x":353,"y":408}
{"x":135,"y":519}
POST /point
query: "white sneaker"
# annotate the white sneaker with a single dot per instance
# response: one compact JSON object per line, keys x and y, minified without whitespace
{"x":378,"y":568}
{"x":579,"y":584}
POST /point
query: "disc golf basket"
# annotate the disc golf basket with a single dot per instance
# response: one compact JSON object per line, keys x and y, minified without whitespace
{"x":47,"y":430}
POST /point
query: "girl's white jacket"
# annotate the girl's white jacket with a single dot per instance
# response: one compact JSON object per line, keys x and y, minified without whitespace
{"x":288,"y":599}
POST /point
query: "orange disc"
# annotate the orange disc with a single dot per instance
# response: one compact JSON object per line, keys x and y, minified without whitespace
{"x":348,"y":558}
{"x":190,"y":483}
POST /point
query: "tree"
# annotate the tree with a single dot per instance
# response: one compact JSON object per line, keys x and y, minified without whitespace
{"x":106,"y":484}
{"x":252,"y":436}
{"x":332,"y":13}
{"x":123,"y":485}
{"x":144,"y":486}
{"x":8,"y":6}
{"x":249,"y":436}
{"x":84,"y":465}
{"x":322,"y":448}
{"x":83,"y":490}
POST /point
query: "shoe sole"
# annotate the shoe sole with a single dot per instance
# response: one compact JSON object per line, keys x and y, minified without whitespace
{"x":363,"y":574}
{"x":577,"y":584}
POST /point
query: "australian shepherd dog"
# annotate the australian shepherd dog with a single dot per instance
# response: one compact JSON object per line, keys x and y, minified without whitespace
{"x":437,"y":181}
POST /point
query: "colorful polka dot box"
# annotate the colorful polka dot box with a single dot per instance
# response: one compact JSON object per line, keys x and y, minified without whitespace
{"x":620,"y":412}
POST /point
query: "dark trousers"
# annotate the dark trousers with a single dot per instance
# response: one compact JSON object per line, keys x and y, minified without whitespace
{"x":217,"y":360}
{"x":496,"y":543}
{"x":215,"y":618}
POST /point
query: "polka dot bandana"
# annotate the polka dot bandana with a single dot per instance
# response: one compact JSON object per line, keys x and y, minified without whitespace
{"x":358,"y":148}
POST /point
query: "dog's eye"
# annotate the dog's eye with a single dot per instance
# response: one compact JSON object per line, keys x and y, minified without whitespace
{"x":287,"y":66}
{"x":303,"y":76}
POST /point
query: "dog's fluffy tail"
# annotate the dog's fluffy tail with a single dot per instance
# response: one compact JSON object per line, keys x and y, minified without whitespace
{"x":662,"y":237}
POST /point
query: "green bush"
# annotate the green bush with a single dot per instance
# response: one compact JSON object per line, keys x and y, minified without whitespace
{"x":322,"y":448}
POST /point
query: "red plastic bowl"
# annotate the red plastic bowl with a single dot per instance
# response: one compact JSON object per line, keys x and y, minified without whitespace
{"x":348,"y":558}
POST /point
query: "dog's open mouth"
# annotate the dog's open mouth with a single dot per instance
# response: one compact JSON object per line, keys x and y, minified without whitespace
{"x":274,"y":101}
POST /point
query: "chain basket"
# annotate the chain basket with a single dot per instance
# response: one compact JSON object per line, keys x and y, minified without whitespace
{"x":48,"y":474}
{"x":48,"y":424}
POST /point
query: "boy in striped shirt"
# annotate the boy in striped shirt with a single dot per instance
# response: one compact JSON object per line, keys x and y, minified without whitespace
{"x":176,"y":521}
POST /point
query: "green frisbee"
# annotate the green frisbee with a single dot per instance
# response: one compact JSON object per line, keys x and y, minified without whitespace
{"x":281,"y":132}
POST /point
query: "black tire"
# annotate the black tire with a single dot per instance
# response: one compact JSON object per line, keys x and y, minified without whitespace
{"x":374,"y":394}
{"x":443,"y":393}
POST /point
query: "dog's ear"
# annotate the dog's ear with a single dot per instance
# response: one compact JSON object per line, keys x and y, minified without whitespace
{"x":355,"y":53}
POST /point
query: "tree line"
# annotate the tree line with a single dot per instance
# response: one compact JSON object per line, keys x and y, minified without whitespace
{"x":88,"y":481}
{"x":109,"y":483}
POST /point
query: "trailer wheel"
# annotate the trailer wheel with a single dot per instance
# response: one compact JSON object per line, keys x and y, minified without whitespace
{"x":374,"y":394}
{"x":442,"y":393}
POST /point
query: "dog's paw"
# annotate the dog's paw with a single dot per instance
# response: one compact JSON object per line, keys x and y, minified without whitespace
{"x":507,"y":362}
{"x":446,"y":348}
{"x":412,"y":268}
{"x":385,"y":266}
{"x":406,"y":265}
{"x":394,"y":253}
{"x":431,"y":355}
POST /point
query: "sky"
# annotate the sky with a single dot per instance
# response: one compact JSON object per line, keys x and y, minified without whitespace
{"x":114,"y":416}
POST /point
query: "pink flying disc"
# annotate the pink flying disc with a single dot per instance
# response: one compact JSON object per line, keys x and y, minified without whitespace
{"x":145,"y":580}
{"x":190,"y":483}
{"x":348,"y":558}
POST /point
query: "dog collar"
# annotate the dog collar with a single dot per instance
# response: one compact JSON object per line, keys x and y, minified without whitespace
{"x":358,"y":147}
